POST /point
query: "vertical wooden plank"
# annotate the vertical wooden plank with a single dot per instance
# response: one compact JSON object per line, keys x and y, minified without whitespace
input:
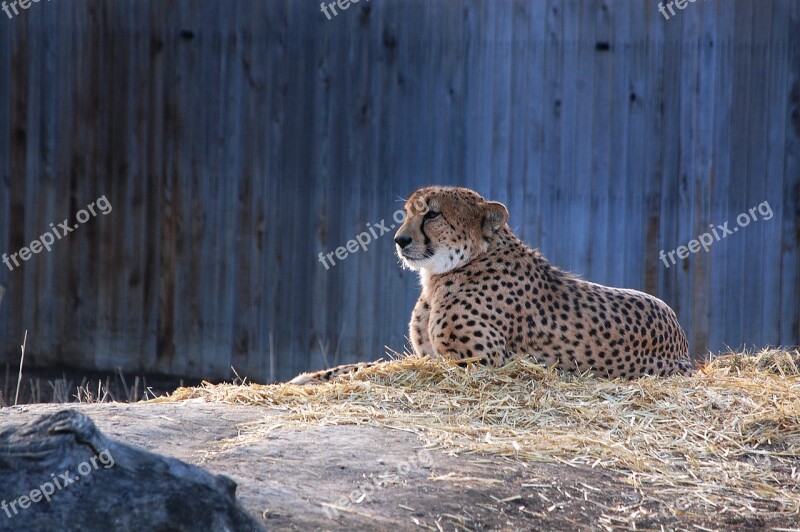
{"x":30,"y":168}
{"x":579,"y":169}
{"x":499,"y":54}
{"x":565,"y":186}
{"x":70,"y":29}
{"x":737,"y":195}
{"x":392,"y":72}
{"x":525,"y":128}
{"x":114,"y":76}
{"x":673,"y":185}
{"x":531,"y":38}
{"x":43,"y":170}
{"x":479,"y":94}
{"x":332,"y":82}
{"x":685,"y":140}
{"x":295,"y":295}
{"x":227,"y":179}
{"x":273,"y":31}
{"x":721,"y":176}
{"x":260,"y":28}
{"x":361,"y":115}
{"x":552,"y":123}
{"x":99,"y":114}
{"x":237,"y":128}
{"x":152,"y":130}
{"x":777,"y":78}
{"x":631,"y":50}
{"x":703,"y":164}
{"x":18,"y":208}
{"x":178,"y":137}
{"x":367,"y":105}
{"x":7,"y":182}
{"x":323,"y":199}
{"x":132,"y":199}
{"x":164,"y":152}
{"x":345,"y":210}
{"x":279,"y":114}
{"x":113,"y":232}
{"x":790,"y":260}
{"x":604,"y":253}
{"x":652,"y":102}
{"x":753,"y":235}
{"x":403,"y":185}
{"x":199,"y":188}
{"x":435,"y":101}
{"x":776,"y":179}
{"x":452,"y":89}
{"x":405,"y":132}
{"x":247,"y":352}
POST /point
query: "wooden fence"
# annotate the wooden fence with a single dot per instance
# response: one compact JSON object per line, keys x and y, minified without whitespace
{"x":236,"y":141}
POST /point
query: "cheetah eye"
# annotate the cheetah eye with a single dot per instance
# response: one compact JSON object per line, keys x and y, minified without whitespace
{"x":431,"y":215}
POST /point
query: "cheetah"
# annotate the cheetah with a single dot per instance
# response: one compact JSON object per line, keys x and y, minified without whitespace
{"x":487,"y":297}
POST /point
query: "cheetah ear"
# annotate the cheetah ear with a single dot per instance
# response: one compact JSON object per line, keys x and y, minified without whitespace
{"x":495,"y":215}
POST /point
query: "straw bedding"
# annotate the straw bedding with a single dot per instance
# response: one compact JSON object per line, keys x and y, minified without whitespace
{"x":725,"y":440}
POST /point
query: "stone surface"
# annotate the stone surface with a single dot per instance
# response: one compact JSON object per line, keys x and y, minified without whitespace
{"x":60,"y":472}
{"x":375,"y":478}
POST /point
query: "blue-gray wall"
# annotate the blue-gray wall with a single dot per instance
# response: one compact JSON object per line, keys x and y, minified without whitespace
{"x":236,"y":140}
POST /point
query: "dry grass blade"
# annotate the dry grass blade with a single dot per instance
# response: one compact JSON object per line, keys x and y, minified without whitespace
{"x":21,"y":362}
{"x":724,"y":440}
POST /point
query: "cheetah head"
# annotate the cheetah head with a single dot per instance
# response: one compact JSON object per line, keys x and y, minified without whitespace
{"x":446,"y":228}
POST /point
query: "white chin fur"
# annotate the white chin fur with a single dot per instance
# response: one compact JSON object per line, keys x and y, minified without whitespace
{"x":409,"y":264}
{"x":438,"y":264}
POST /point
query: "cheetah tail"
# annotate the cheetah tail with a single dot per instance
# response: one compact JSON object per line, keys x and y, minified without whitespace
{"x":318,"y":377}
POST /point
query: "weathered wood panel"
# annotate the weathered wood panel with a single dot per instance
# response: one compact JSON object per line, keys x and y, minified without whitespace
{"x":236,"y":141}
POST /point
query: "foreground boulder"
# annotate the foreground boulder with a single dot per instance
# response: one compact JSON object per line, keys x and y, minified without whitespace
{"x":60,"y":472}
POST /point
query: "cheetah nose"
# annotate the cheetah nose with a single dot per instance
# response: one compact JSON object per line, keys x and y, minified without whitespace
{"x":402,"y":241}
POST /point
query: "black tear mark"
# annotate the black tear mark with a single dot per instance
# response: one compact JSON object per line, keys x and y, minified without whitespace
{"x":422,"y":229}
{"x":187,"y":35}
{"x":602,"y":46}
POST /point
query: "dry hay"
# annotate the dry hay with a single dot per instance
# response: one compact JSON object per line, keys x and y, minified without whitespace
{"x":725,"y":440}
